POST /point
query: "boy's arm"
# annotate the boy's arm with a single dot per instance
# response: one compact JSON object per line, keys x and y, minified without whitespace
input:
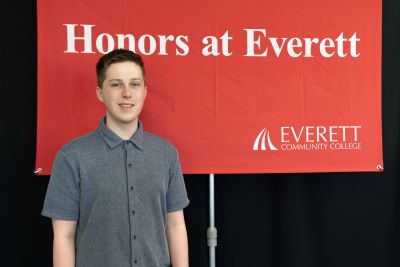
{"x":177,"y":239}
{"x":64,"y":243}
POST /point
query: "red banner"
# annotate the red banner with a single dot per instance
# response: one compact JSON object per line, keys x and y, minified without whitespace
{"x":237,"y":87}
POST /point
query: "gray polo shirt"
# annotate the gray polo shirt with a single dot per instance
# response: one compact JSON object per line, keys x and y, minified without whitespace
{"x":120,"y":193}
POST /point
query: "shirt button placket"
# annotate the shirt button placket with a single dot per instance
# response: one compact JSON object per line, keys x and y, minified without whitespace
{"x":131,"y":202}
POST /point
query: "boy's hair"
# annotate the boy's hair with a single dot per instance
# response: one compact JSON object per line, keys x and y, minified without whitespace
{"x":116,"y":56}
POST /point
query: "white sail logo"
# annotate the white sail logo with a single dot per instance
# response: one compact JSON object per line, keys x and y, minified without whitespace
{"x":259,"y":143}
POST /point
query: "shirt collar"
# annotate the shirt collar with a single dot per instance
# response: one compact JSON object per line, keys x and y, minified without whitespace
{"x":114,"y":140}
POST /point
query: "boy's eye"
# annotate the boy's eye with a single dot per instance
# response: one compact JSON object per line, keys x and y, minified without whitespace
{"x":135,"y":84}
{"x":115,"y":84}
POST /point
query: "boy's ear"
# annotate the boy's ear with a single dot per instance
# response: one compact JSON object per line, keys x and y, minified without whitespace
{"x":99,"y":93}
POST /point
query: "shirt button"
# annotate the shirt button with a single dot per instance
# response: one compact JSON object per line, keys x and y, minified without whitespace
{"x":135,"y":261}
{"x":133,"y":212}
{"x":129,"y":165}
{"x":134,"y":237}
{"x":131,"y":188}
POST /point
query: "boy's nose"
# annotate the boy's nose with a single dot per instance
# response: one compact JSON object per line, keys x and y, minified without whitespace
{"x":126,"y":93}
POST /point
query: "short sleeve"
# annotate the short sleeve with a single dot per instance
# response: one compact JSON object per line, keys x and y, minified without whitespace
{"x":62,"y":197}
{"x":177,"y":198}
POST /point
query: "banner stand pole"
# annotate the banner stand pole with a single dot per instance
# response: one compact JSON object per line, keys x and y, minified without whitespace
{"x":211,"y":230}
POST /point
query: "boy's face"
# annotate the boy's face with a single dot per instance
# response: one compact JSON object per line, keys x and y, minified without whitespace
{"x":123,"y":93}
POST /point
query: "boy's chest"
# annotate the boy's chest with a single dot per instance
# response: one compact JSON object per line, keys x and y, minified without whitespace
{"x":124,"y":175}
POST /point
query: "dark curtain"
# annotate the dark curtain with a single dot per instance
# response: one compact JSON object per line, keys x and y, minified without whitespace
{"x":310,"y":220}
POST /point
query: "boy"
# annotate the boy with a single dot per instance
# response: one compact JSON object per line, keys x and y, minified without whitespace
{"x":116,"y":195}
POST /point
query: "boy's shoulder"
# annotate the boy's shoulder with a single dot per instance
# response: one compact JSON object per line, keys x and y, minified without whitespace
{"x":158,"y":143}
{"x":83,"y":143}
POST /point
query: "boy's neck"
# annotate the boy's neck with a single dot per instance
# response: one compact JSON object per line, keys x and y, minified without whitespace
{"x":124,"y":131}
